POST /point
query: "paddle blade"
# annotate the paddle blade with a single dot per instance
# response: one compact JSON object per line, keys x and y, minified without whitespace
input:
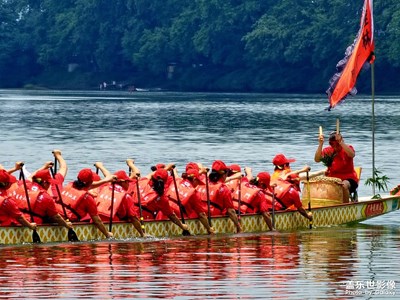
{"x":72,"y":237}
{"x":36,"y":237}
{"x":186,"y":233}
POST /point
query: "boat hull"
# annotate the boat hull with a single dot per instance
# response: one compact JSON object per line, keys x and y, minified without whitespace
{"x":284,"y":221}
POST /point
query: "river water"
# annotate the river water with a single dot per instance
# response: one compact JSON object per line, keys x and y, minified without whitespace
{"x":248,"y":129}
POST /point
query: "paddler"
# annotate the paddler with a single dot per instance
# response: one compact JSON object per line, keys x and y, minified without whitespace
{"x":252,"y":196}
{"x":80,"y":203}
{"x":43,"y":205}
{"x":220,"y":195}
{"x":9,"y":211}
{"x":154,"y":198}
{"x":190,"y":198}
{"x":124,"y":208}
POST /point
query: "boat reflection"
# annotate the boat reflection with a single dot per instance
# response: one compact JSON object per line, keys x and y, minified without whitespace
{"x":247,"y":265}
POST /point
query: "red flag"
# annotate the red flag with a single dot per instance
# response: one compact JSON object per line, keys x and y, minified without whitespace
{"x":343,"y":82}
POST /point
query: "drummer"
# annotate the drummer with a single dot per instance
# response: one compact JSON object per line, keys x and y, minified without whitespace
{"x":342,"y":165}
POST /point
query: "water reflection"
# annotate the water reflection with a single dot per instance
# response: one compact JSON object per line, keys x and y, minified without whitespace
{"x":304,"y":264}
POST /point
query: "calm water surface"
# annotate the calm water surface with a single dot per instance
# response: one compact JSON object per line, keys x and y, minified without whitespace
{"x":248,"y":129}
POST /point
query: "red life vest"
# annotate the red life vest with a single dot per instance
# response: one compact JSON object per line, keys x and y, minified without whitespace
{"x":147,"y":194}
{"x":185,"y":191}
{"x":72,"y":197}
{"x":20,"y":195}
{"x":215,"y":206}
{"x":282,"y":188}
{"x":248,"y":192}
{"x":5,"y":219}
{"x":103,"y":200}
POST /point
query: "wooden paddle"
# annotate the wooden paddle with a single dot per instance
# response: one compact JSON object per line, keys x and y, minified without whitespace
{"x":112,"y":207}
{"x":337,"y":126}
{"x":139,"y":201}
{"x":240,"y":197}
{"x":273,"y":206}
{"x":185,"y":232}
{"x":72,"y":236}
{"x":309,"y":196}
{"x":208,"y":199}
{"x":35,"y":235}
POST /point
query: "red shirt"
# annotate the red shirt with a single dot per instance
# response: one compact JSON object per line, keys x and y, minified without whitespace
{"x":44,"y":206}
{"x":53,"y":189}
{"x":127,"y":208}
{"x":342,"y":166}
{"x":87,"y":205}
{"x":259,"y":203}
{"x":160,"y":204}
{"x":292,"y":197}
{"x":9,"y":212}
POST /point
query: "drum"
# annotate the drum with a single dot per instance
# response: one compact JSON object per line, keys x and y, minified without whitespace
{"x":324,"y":191}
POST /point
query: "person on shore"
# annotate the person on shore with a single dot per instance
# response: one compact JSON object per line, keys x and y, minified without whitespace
{"x":80,"y":203}
{"x":220,"y":195}
{"x":10,"y":214}
{"x":339,"y":158}
{"x":123,"y":207}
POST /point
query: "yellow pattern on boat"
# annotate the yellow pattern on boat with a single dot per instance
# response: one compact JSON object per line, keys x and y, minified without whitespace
{"x":284,"y":221}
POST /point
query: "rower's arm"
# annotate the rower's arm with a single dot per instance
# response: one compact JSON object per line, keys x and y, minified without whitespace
{"x":135,"y":172}
{"x":100,"y":225}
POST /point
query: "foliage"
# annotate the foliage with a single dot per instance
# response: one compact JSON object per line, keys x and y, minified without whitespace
{"x":252,"y":45}
{"x":327,"y":159}
{"x":379,"y":181}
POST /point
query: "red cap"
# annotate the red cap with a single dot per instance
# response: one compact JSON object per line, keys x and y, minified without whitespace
{"x":122,"y":176}
{"x":161,"y":174}
{"x":235,"y":168}
{"x":219,"y":166}
{"x":86,"y":176}
{"x":281,"y":159}
{"x":44,"y":176}
{"x":160,"y":166}
{"x":194,"y":174}
{"x":6,"y":178}
{"x":264,"y":177}
{"x":192,"y":165}
{"x":96,"y":177}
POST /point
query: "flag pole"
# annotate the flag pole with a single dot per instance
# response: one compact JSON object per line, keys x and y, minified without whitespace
{"x":373,"y":124}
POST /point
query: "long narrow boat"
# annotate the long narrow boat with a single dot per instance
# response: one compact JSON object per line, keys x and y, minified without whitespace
{"x":284,"y":220}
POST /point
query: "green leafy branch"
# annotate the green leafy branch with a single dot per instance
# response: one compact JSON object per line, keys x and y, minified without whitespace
{"x":327,"y":159}
{"x":379,"y":181}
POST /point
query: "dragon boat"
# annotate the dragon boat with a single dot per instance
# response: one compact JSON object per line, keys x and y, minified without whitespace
{"x":323,"y":216}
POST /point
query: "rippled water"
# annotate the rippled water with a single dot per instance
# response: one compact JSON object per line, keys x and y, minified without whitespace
{"x":308,"y":265}
{"x":248,"y":129}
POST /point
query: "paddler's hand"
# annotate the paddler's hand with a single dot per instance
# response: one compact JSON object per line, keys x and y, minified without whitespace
{"x":69,"y":224}
{"x":32,"y":226}
{"x":211,"y":231}
{"x":185,"y":227}
{"x":19,"y":165}
{"x":48,"y":165}
{"x":310,"y":216}
{"x":110,"y":235}
{"x":98,"y":164}
{"x":56,"y":152}
{"x":239,"y":228}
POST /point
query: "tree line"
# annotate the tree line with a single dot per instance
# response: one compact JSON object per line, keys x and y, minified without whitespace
{"x":203,"y":45}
